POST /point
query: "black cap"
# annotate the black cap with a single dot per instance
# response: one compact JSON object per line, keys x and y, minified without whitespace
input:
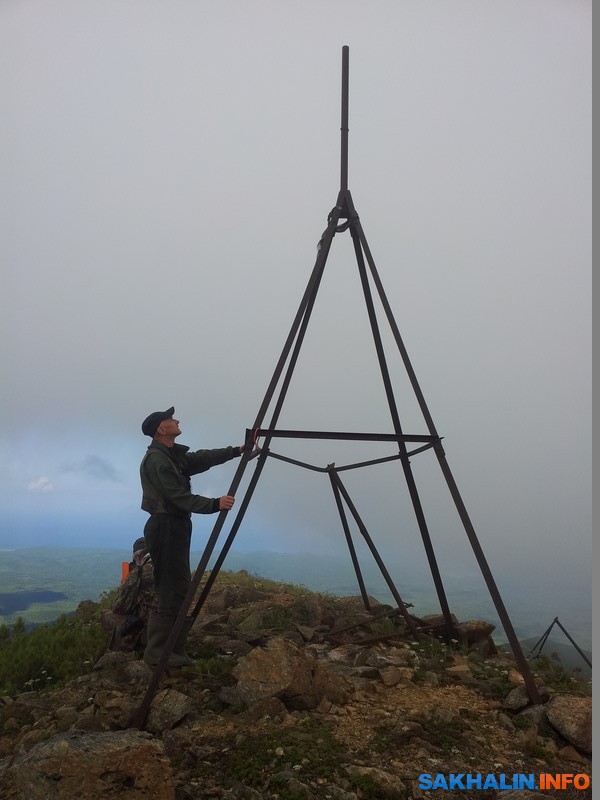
{"x":152,"y":421}
{"x":139,"y":544}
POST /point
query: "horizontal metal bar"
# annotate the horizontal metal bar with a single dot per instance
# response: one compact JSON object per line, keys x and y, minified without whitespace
{"x":385,"y":459}
{"x":365,"y":437}
{"x":368,"y":463}
{"x":297,"y":463}
{"x":347,"y":467}
{"x":422,"y":449}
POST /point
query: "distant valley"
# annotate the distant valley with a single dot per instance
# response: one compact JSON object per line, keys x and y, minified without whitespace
{"x":40,"y":584}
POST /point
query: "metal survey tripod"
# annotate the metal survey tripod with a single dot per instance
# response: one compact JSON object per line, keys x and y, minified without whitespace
{"x":343,"y":217}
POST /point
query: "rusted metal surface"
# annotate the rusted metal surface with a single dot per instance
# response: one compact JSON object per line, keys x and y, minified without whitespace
{"x":344,"y":123}
{"x":349,"y":542}
{"x":371,"y":545}
{"x":352,"y":436}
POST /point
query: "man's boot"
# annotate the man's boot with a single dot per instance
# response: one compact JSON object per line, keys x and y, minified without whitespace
{"x":158,"y":630}
{"x":179,"y":646}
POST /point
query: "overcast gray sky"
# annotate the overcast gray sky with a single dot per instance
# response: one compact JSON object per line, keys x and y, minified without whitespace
{"x":166,"y":172}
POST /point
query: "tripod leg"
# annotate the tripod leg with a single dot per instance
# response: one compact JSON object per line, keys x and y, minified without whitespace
{"x":351,"y":548}
{"x":365,"y":533}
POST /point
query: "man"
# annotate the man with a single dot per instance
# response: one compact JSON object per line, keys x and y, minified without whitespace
{"x":167,"y":496}
{"x":138,"y":552}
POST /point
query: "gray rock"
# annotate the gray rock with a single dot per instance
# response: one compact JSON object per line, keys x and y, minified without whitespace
{"x":474,"y":630}
{"x":517,"y":698}
{"x":288,"y":672}
{"x":168,"y":708}
{"x":384,"y":780}
{"x":571,"y":716}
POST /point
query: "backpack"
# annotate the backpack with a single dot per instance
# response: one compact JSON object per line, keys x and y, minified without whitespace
{"x":129,"y":592}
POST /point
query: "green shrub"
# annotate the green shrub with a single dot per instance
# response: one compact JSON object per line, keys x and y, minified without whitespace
{"x":309,"y":749}
{"x":369,"y":788}
{"x":48,"y":656}
{"x":558,"y":676}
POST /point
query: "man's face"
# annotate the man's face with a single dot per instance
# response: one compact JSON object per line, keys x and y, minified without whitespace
{"x":169,"y":427}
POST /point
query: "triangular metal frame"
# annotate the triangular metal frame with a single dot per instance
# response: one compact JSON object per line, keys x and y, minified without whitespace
{"x":341,"y":218}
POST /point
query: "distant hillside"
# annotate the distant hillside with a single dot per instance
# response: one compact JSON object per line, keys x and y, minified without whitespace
{"x":467,"y":594}
{"x":567,"y":654}
{"x":39,"y":584}
{"x":27,"y":575}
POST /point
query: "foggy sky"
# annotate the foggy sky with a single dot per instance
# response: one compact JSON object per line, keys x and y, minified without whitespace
{"x":166,"y":173}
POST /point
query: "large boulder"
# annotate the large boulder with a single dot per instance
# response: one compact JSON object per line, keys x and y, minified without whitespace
{"x":168,"y":708}
{"x":474,"y":630}
{"x":284,"y":670}
{"x":571,"y":716}
{"x":86,"y":766}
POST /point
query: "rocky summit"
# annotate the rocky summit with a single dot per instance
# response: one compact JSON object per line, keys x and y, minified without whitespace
{"x":302,"y":696}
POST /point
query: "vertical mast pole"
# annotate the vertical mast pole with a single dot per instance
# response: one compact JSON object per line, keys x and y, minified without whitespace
{"x":344,"y":127}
